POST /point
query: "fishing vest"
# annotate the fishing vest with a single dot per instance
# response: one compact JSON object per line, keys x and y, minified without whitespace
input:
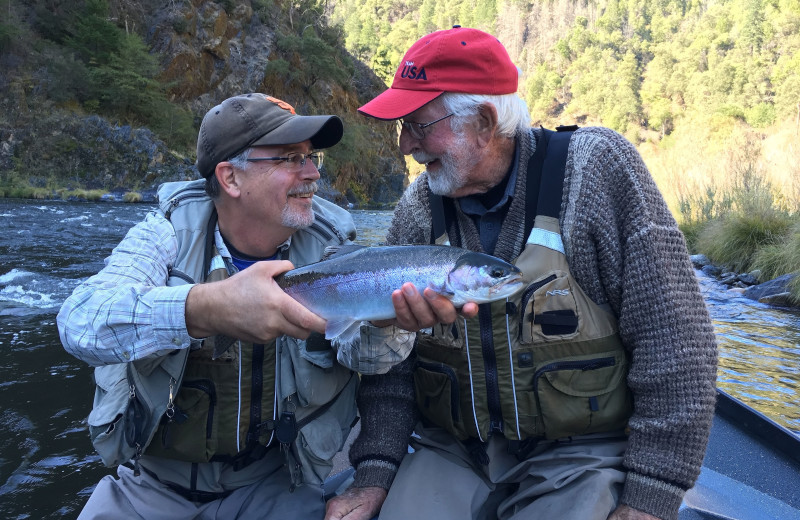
{"x":225,"y":408}
{"x":546,"y":363}
{"x":186,"y":406}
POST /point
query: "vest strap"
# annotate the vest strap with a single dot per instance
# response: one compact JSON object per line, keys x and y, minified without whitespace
{"x":551,"y":187}
{"x":202,"y":497}
{"x":534,"y":173}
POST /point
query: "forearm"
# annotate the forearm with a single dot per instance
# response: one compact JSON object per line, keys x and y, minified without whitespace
{"x":100,"y":329}
{"x":388,"y":415}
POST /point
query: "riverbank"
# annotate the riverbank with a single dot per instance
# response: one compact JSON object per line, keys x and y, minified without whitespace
{"x":776,"y":292}
{"x":151,"y":196}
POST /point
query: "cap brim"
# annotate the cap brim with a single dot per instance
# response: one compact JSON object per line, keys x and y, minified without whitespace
{"x":322,"y":131}
{"x":396,"y":103}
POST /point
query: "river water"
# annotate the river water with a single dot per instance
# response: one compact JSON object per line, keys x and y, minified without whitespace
{"x":47,"y":465}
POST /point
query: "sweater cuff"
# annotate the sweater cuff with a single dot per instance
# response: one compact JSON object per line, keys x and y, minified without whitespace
{"x":653,"y":496}
{"x":374,"y":473}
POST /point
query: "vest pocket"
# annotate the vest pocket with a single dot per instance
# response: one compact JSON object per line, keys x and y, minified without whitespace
{"x":108,"y":418}
{"x":189,"y":432}
{"x":583,"y":395}
{"x":436,"y":387}
{"x":324,"y":435}
{"x":548,"y":310}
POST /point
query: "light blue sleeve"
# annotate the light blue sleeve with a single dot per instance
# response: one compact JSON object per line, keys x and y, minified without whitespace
{"x":126,"y":312}
{"x":374,"y":350}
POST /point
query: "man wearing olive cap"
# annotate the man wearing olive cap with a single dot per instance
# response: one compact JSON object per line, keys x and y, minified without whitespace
{"x":217,"y":395}
{"x":587,"y":396}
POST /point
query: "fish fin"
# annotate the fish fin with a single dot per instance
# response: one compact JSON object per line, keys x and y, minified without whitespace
{"x":342,"y":328}
{"x":443,"y":290}
{"x":345,"y":249}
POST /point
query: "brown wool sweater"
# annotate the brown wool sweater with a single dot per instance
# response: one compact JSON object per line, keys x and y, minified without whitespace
{"x":625,"y":250}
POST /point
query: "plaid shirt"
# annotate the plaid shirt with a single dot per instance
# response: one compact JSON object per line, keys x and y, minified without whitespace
{"x":126,"y":312}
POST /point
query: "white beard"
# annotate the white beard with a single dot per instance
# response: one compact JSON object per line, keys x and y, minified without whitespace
{"x":452,"y":173}
{"x":298,"y":218}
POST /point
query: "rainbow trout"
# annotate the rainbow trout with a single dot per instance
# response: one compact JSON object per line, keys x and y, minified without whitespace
{"x":355,"y":283}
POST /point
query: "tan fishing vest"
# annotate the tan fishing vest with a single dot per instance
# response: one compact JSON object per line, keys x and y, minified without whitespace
{"x":551,"y":364}
{"x":546,"y":363}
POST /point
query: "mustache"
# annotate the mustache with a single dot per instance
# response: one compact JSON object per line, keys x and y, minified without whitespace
{"x":309,"y":188}
{"x":422,"y":157}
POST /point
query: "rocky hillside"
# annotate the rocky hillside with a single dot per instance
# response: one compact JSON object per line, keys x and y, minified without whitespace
{"x":109,"y":94}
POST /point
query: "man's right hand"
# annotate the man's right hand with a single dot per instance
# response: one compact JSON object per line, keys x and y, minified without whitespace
{"x":249,"y":306}
{"x":356,"y":504}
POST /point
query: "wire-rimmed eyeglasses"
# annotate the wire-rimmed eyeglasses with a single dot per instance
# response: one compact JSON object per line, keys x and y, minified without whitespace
{"x":417,"y":130}
{"x":295,"y":161}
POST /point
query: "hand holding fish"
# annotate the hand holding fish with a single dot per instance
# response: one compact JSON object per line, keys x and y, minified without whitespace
{"x":416,"y":311}
{"x":249,"y":306}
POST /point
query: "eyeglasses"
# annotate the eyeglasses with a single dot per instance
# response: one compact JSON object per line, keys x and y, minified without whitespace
{"x":417,"y":129}
{"x":295,"y":161}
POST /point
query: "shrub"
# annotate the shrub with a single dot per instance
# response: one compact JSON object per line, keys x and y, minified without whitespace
{"x":735,"y":239}
{"x":780,"y":258}
{"x":132,"y":196}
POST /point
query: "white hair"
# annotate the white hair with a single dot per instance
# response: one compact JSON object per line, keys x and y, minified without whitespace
{"x":512,"y":111}
{"x":240,"y":160}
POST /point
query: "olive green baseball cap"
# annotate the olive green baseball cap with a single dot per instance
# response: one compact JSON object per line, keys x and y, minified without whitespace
{"x":256,"y":119}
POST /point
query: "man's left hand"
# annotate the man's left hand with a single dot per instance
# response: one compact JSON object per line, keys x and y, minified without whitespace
{"x":356,"y":504}
{"x":416,"y":311}
{"x":624,"y":512}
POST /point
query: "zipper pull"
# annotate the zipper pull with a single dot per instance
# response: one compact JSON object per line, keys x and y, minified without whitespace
{"x":136,"y":468}
{"x":286,"y":427}
{"x":172,"y":205}
{"x":170,"y":412}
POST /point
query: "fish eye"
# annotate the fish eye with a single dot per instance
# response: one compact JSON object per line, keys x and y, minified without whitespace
{"x":497,"y":272}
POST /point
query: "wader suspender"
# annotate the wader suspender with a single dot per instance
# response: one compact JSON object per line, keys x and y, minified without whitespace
{"x":551,"y":186}
{"x":550,"y":156}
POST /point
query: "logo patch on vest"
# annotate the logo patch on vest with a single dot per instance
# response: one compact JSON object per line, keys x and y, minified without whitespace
{"x":558,"y":292}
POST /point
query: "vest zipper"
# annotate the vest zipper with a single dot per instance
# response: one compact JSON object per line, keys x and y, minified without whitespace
{"x":441,"y":368}
{"x":256,"y":390}
{"x":526,"y":296}
{"x":584,"y":365}
{"x":171,"y":271}
{"x":180,"y":196}
{"x":490,"y":368}
{"x":329,"y":235}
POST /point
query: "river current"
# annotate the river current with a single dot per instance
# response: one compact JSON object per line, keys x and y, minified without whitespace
{"x":47,"y":465}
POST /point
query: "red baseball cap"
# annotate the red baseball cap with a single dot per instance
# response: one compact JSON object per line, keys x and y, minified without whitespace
{"x":455,"y":60}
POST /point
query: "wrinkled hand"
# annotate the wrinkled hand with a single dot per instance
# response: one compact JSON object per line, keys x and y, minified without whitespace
{"x":356,"y":504}
{"x":624,"y":512}
{"x":249,"y":306}
{"x":417,"y":311}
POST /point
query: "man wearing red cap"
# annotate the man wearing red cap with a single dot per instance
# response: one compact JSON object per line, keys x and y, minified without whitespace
{"x":590,"y":394}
